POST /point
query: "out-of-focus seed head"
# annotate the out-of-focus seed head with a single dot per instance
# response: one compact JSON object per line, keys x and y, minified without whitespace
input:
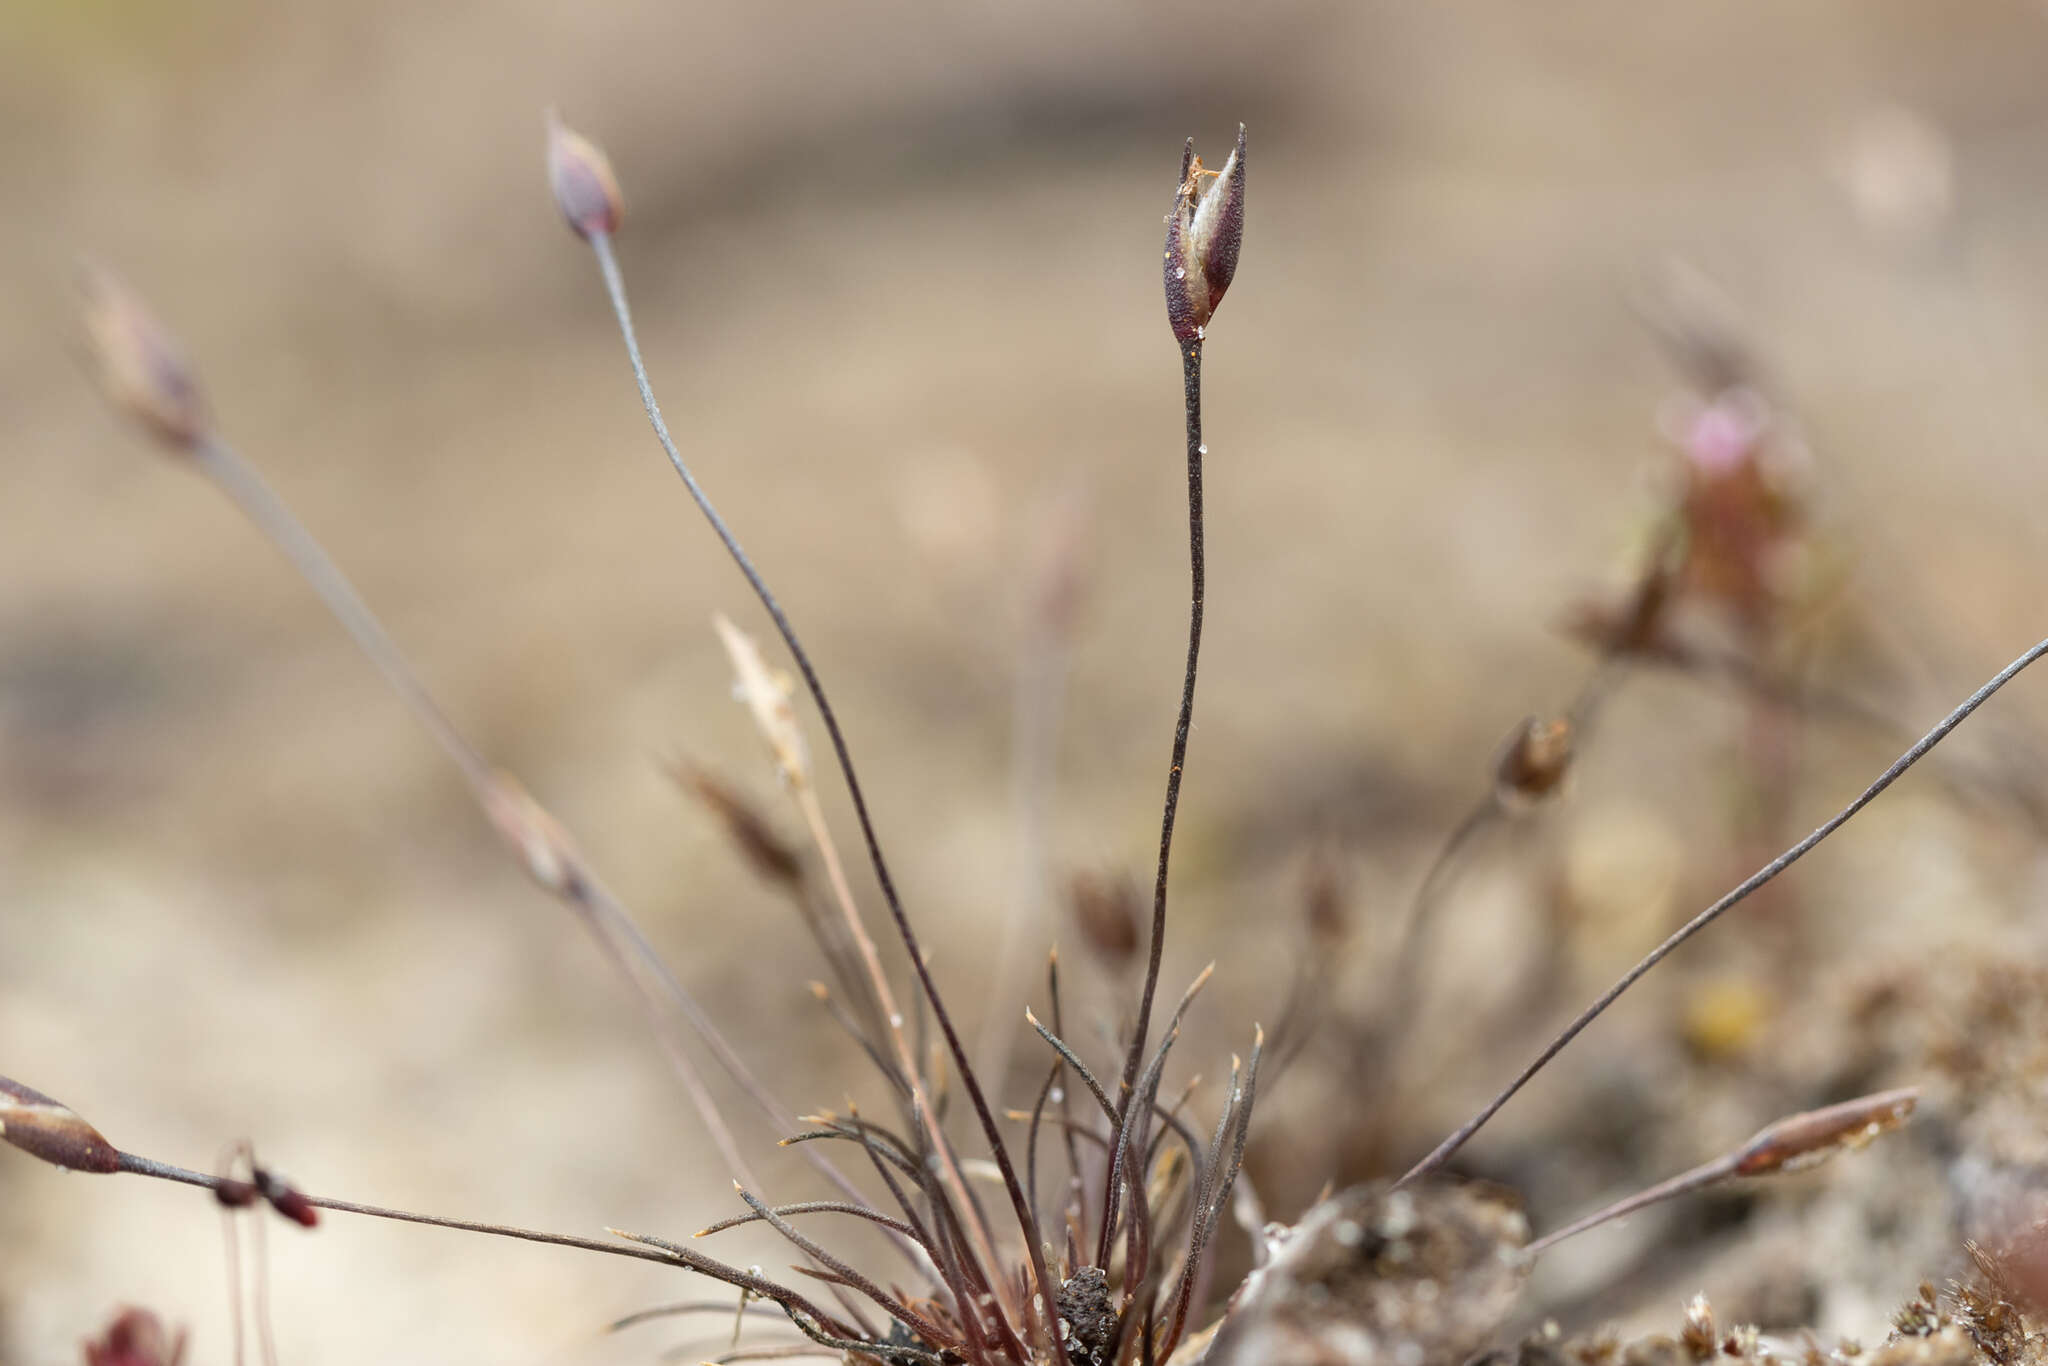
{"x":750,"y":831}
{"x":1204,"y":231}
{"x":136,"y":1337}
{"x":581,"y":176}
{"x":543,"y":846}
{"x":1106,"y":909}
{"x":1535,"y":762}
{"x":52,"y":1131}
{"x":1326,"y":899}
{"x":1639,"y":624}
{"x":142,"y":370}
{"x":767,"y":693}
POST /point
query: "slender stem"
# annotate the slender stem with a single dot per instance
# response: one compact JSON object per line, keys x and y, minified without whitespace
{"x":1444,"y":1150}
{"x":164,"y":1171}
{"x":241,"y":482}
{"x":814,"y":818}
{"x":662,"y":1311}
{"x":856,"y":927}
{"x":1706,"y":1174}
{"x":1129,"y":1135}
{"x":618,"y":936}
{"x":1191,"y":386}
{"x":248,"y":490}
{"x":615,"y":287}
{"x":813,"y":1207}
{"x":1406,"y":983}
{"x":795,"y":1305}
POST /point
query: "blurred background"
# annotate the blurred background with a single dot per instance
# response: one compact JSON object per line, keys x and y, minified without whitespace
{"x":896,"y":268}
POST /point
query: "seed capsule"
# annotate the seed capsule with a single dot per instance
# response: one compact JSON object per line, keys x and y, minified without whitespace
{"x":1203,"y":234}
{"x":52,"y":1131}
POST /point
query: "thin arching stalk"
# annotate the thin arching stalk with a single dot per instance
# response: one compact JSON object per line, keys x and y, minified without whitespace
{"x":1405,"y":981}
{"x":137,"y":1165}
{"x":249,"y":491}
{"x":812,"y":1207}
{"x":1791,"y":1143}
{"x":856,"y":926}
{"x":1443,"y":1152}
{"x":624,"y":945}
{"x":922,"y":1111}
{"x":234,"y":476}
{"x":741,"y":1310}
{"x":615,"y":287}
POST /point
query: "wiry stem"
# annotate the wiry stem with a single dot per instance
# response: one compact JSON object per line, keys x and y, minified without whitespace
{"x":1444,"y":1150}
{"x":795,"y":1305}
{"x":615,"y":287}
{"x":248,"y":490}
{"x":165,"y":1171}
{"x":1793,"y":1142}
{"x":741,"y":1310}
{"x":1191,"y":387}
{"x":244,"y":486}
{"x":1405,"y":983}
{"x":618,"y":936}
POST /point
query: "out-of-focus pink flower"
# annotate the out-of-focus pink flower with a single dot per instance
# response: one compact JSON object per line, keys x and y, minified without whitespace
{"x":136,"y":1337}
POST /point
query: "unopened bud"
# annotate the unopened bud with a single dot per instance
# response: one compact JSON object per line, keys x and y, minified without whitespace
{"x":543,"y":846}
{"x":141,"y":369}
{"x":1535,"y":762}
{"x":581,"y":176}
{"x":287,"y":1199}
{"x":136,"y":1337}
{"x":767,"y":693}
{"x":1106,"y":910}
{"x":1203,"y":234}
{"x":44,"y":1128}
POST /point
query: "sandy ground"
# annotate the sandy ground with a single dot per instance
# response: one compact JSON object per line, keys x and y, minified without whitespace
{"x":897,"y":272}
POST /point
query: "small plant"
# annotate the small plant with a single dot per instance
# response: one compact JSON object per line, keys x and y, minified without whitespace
{"x":1111,"y":1262}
